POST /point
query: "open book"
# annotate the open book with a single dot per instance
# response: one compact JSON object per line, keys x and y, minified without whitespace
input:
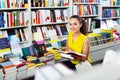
{"x":71,"y":54}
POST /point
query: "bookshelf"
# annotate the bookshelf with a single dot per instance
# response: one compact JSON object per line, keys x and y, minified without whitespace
{"x":86,"y":9}
{"x":102,"y":11}
{"x":108,"y":10}
{"x":52,"y":15}
{"x":14,"y":24}
{"x":108,"y":19}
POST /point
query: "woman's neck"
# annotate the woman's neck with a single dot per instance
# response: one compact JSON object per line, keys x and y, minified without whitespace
{"x":76,"y":34}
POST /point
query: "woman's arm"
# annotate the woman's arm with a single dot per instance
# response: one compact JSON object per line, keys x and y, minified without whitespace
{"x":67,"y":48}
{"x":86,"y":47}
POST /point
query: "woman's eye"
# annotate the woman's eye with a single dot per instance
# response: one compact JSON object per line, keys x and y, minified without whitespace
{"x":70,"y":24}
{"x":74,"y":24}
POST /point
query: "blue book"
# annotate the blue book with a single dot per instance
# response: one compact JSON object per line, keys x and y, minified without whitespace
{"x":1,"y":20}
{"x":4,"y":43}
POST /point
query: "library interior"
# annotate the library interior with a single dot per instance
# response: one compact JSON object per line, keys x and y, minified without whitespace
{"x":59,"y":39}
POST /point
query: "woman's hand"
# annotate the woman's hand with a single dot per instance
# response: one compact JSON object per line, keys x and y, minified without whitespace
{"x":81,"y":58}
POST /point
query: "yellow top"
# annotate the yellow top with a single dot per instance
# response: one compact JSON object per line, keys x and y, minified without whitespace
{"x":76,"y":45}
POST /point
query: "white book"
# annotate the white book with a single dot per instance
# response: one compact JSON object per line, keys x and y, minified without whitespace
{"x":11,"y":4}
{"x":110,"y":24}
{"x":58,"y":16}
{"x":52,"y":36}
{"x":105,"y":2}
{"x":55,"y":3}
{"x":4,"y":33}
{"x":104,"y":25}
{"x":37,"y":36}
{"x":43,"y":16}
{"x":89,"y":24}
{"x":26,"y":17}
{"x":48,"y":18}
{"x":21,"y":73}
{"x":44,"y":29}
{"x":21,"y":18}
{"x":33,"y":13}
{"x":75,"y":10}
{"x":65,"y":12}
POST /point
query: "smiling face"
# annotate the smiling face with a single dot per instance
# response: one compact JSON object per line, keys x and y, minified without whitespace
{"x":75,"y":25}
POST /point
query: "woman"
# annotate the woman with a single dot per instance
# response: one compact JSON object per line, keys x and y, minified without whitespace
{"x":77,"y":40}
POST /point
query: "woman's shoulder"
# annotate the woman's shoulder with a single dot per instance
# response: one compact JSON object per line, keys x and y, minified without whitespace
{"x":84,"y":36}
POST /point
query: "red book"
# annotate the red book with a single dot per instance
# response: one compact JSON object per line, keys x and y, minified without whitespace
{"x":20,"y":65}
{"x":38,"y":17}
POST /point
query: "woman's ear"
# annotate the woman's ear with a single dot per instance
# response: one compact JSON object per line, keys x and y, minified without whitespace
{"x":80,"y":25}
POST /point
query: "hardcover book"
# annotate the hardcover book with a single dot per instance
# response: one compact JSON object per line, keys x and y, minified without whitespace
{"x":71,"y":54}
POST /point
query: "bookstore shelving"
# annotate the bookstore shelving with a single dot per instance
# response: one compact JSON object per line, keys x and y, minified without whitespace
{"x":14,"y":23}
{"x":87,"y":9}
{"x":46,"y":21}
{"x":97,"y":13}
{"x":109,"y":12}
{"x":108,"y":19}
{"x":50,"y":15}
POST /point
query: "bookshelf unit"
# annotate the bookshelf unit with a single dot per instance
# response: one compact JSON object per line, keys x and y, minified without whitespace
{"x":108,"y":10}
{"x":14,"y":22}
{"x":54,"y":15}
{"x":108,"y":14}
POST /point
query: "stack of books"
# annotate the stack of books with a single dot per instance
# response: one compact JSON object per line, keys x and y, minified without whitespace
{"x":20,"y":65}
{"x":1,"y":73}
{"x":9,"y":70}
{"x":22,"y":70}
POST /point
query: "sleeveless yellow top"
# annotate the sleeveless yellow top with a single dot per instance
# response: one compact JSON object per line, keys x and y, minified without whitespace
{"x":76,"y":45}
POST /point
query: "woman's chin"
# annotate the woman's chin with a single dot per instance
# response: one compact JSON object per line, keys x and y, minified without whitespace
{"x":73,"y":32}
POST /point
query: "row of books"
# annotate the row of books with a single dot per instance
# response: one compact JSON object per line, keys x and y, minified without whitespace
{"x":14,"y":18}
{"x":51,"y":40}
{"x":105,"y":36}
{"x":83,"y":10}
{"x":109,"y":24}
{"x":40,"y":33}
{"x":48,"y":16}
{"x":114,"y":2}
{"x":110,"y":2}
{"x":86,"y":1}
{"x":104,"y":24}
{"x":107,"y":13}
{"x":19,"y":33}
{"x":49,"y":3}
{"x":13,"y":68}
{"x":11,"y":44}
{"x":13,"y":3}
{"x":10,"y":41}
